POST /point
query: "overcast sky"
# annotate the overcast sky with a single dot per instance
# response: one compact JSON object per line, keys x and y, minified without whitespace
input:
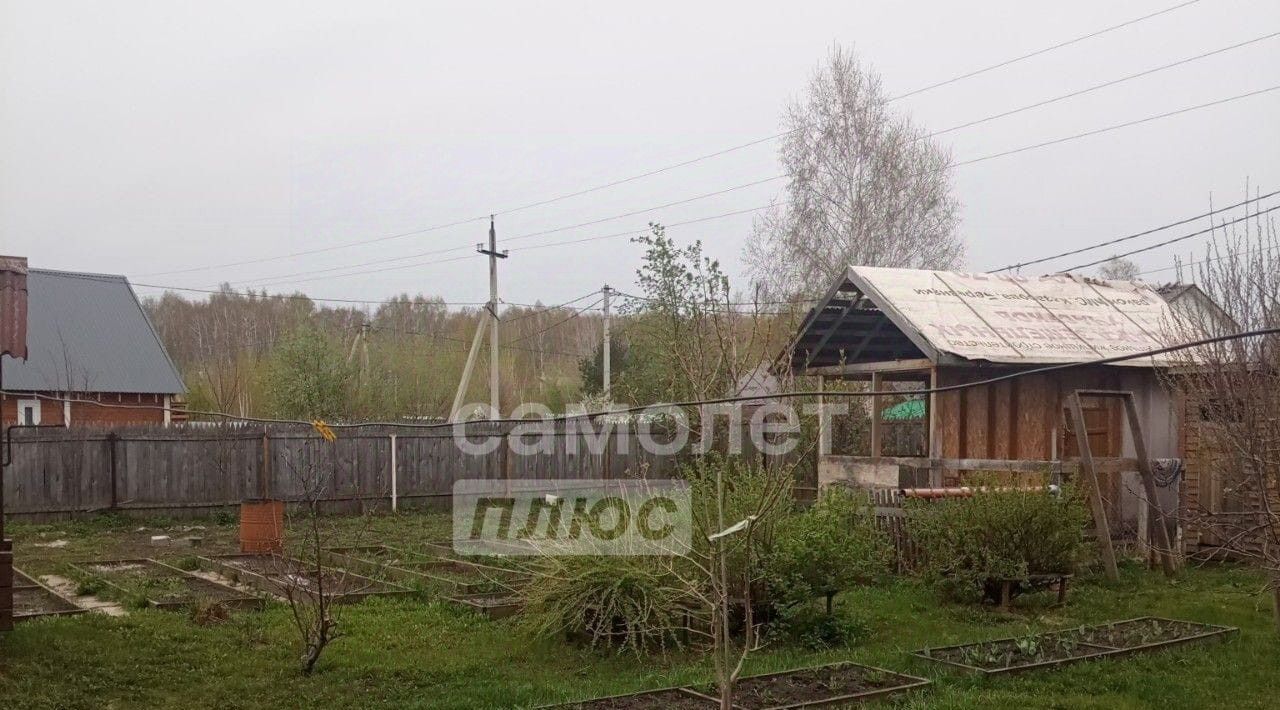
{"x":142,"y":138}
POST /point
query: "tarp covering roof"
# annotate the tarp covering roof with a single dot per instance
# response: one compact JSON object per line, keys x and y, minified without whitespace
{"x":873,"y":314}
{"x":89,"y":333}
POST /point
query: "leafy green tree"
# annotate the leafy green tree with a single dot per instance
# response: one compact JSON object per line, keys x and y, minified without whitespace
{"x":591,"y":368}
{"x":685,"y":338}
{"x":307,"y":377}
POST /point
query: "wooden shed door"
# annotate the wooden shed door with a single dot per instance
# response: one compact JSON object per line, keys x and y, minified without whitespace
{"x":1102,"y":421}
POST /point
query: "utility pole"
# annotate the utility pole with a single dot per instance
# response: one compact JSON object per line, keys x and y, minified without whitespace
{"x":492,"y":308}
{"x":493,"y":255}
{"x":605,"y":380}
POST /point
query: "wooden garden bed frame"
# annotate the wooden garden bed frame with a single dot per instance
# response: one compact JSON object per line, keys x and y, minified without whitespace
{"x":909,"y":683}
{"x":373,"y":588}
{"x":1215,"y":634}
{"x":24,"y":581}
{"x":491,"y":611}
{"x":234,"y":599}
{"x":711,"y":705}
{"x":351,"y":559}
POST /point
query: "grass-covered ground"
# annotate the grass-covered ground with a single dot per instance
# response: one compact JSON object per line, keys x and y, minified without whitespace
{"x":421,"y":653}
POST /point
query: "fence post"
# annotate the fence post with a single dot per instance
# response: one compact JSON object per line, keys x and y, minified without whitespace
{"x":111,"y":455}
{"x":394,"y":492}
{"x":264,"y":471}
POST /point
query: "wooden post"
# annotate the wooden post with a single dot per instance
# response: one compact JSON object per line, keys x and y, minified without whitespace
{"x":111,"y":453}
{"x":824,"y":424}
{"x":877,"y":382}
{"x":394,"y":506}
{"x":1090,"y":474}
{"x":264,"y":471}
{"x":1161,"y":537}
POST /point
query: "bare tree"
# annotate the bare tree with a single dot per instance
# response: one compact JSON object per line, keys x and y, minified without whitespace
{"x":1119,"y":269}
{"x":301,"y":573}
{"x":867,"y":186}
{"x":1232,"y":396}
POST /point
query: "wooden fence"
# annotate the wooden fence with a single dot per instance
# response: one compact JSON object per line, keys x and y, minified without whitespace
{"x":58,"y":472}
{"x":891,"y":518}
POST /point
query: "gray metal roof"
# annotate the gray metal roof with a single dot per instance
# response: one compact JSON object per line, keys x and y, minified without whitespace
{"x":89,"y":333}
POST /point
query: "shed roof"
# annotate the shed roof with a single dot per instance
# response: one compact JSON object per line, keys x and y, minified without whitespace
{"x":89,"y":333}
{"x":874,"y":314}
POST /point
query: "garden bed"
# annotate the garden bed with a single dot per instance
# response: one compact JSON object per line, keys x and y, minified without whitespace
{"x":494,"y":605}
{"x":414,"y":569}
{"x":33,"y":600}
{"x":147,"y":582}
{"x":275,"y":575}
{"x":1012,"y":655}
{"x":837,"y":684}
{"x":665,"y":699}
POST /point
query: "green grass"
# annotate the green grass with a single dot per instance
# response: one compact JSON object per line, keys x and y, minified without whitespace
{"x":399,"y":653}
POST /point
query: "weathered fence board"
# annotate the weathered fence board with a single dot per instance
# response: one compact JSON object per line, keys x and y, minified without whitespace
{"x":58,"y":472}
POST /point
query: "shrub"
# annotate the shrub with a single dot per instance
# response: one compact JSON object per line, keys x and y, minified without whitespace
{"x":969,"y":544}
{"x":746,"y":487}
{"x":818,"y":553}
{"x":208,"y":612}
{"x":631,"y":603}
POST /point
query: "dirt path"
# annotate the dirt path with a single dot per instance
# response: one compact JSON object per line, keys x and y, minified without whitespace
{"x":67,"y":589}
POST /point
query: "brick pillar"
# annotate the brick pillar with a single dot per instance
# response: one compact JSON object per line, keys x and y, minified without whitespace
{"x":6,"y":585}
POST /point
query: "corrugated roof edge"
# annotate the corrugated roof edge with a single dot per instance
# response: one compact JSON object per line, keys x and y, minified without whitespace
{"x":177,"y":374}
{"x":151,"y":326}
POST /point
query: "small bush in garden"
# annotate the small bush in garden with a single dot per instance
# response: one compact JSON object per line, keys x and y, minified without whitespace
{"x":745,"y":485}
{"x":970,"y":544}
{"x":189,"y":563}
{"x":90,"y":585}
{"x":208,"y":612}
{"x":817,"y":629}
{"x":820,"y":552}
{"x":631,"y":603}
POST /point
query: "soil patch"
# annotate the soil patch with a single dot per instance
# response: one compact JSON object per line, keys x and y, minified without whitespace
{"x":1015,"y":653}
{"x":655,"y":700}
{"x":814,"y":685}
{"x":67,"y":588}
{"x":1137,"y":632}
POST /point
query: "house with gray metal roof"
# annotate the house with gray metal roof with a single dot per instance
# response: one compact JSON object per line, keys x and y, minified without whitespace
{"x":89,"y":340}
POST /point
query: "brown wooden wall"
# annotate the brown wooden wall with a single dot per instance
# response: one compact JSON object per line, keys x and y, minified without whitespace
{"x":1020,"y":419}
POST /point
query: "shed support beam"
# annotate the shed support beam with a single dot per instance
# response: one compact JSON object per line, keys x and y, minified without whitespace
{"x":876,"y":404}
{"x":1090,"y":476}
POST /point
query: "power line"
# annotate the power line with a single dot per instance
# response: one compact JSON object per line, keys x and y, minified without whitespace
{"x":1167,"y":242}
{"x":1143,"y":233}
{"x":530,"y":235}
{"x":466,"y":343}
{"x":1038,"y":52}
{"x":663,"y":169}
{"x":1117,"y":126}
{"x":943,"y":389}
{"x":727,"y":306}
{"x":546,"y":309}
{"x":557,"y":324}
{"x":320,"y":250}
{"x":1207,"y":260}
{"x":1103,"y":85}
{"x":971,"y":161}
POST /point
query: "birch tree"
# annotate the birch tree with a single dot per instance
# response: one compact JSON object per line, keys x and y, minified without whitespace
{"x":866,"y":186}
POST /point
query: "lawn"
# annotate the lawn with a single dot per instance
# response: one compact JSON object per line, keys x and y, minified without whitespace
{"x":398,"y":653}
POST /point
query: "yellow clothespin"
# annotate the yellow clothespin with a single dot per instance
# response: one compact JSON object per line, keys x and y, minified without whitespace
{"x":324,"y":430}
